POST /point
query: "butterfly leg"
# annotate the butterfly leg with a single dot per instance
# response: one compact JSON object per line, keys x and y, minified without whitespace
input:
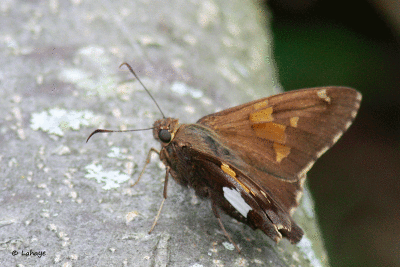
{"x":215,"y":210}
{"x":152,"y":150}
{"x":164,"y":198}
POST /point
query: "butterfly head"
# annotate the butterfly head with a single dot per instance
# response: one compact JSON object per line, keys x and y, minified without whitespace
{"x":164,"y":130}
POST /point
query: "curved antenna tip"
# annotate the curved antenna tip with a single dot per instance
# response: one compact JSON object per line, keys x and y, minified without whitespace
{"x":98,"y":131}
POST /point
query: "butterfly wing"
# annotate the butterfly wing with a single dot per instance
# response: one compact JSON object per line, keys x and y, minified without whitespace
{"x":214,"y":170}
{"x":284,"y":134}
{"x":246,"y":201}
{"x":280,"y":137}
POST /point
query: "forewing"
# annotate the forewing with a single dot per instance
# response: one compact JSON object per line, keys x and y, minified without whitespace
{"x":284,"y":134}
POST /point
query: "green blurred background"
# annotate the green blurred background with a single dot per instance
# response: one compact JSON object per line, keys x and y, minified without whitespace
{"x":356,"y":185}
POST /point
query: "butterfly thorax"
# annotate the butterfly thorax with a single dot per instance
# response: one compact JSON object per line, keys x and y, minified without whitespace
{"x":172,"y":152}
{"x":185,"y":162}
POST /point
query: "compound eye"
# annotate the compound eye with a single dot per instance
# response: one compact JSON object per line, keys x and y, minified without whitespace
{"x":164,"y":135}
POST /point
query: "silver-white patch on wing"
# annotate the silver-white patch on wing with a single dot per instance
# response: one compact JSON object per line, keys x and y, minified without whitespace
{"x":236,"y":200}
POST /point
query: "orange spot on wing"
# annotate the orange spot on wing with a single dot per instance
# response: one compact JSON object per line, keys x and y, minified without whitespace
{"x":260,"y":105}
{"x":264,"y":115}
{"x":322,"y":94}
{"x":293,"y":121}
{"x":281,"y":151}
{"x":226,"y":169}
{"x":271,"y":131}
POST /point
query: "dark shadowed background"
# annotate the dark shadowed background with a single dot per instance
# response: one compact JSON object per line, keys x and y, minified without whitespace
{"x":356,"y":185}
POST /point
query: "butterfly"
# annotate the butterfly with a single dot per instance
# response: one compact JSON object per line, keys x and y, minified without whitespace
{"x":251,"y":160}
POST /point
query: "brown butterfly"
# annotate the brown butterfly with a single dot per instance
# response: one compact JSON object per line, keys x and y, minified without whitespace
{"x":251,"y":160}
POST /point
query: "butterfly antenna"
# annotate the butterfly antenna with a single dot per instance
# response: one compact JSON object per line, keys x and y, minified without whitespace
{"x":113,"y":131}
{"x":123,"y":131}
{"x":134,"y":74}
